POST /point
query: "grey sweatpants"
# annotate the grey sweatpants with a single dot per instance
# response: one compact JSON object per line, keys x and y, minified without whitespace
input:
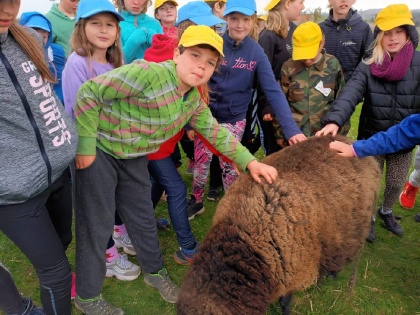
{"x":106,"y":185}
{"x":415,"y":174}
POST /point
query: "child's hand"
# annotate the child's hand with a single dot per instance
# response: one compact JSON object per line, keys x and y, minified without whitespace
{"x":268,"y":117}
{"x":329,"y":128}
{"x":84,"y":161}
{"x":191,"y":134}
{"x":297,"y":138}
{"x":342,"y":148}
{"x":257,"y":169}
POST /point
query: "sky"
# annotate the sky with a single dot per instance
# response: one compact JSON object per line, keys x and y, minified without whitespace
{"x":43,"y":6}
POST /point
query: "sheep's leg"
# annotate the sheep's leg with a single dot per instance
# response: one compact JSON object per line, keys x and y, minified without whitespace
{"x":285,"y":304}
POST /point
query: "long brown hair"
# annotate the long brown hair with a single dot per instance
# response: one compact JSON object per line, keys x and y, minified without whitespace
{"x":34,"y":49}
{"x":276,"y":22}
{"x":81,"y":46}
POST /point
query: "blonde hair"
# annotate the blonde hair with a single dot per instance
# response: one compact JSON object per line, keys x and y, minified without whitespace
{"x":34,"y":49}
{"x":276,"y":22}
{"x":81,"y":46}
{"x":254,"y":29}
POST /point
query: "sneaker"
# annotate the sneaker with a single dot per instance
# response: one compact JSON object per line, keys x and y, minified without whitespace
{"x":29,"y":308}
{"x":408,"y":196}
{"x":194,"y":208}
{"x":390,"y":223}
{"x":96,"y":307}
{"x":185,"y":256}
{"x":190,"y":168}
{"x":122,"y":269}
{"x":162,"y":223}
{"x":417,"y":217}
{"x":73,"y":286}
{"x":161,"y":281}
{"x":124,"y":242}
{"x":213,"y":194}
{"x":371,"y":236}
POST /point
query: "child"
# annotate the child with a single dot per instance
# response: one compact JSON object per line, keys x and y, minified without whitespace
{"x":137,"y":29}
{"x":165,"y":13}
{"x":54,"y":52}
{"x":276,"y":40}
{"x":11,"y":302}
{"x":218,"y":9}
{"x":62,"y":16}
{"x":348,"y":37}
{"x":311,"y":80}
{"x":231,"y":90}
{"x":121,"y":117}
{"x":38,"y":142}
{"x":165,"y":176}
{"x":96,"y":49}
{"x":399,"y":137}
{"x":388,"y":84}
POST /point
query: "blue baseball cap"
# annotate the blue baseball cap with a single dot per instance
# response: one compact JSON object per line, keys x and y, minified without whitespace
{"x":35,"y":20}
{"x":87,"y":8}
{"x":198,"y":12}
{"x":246,"y":7}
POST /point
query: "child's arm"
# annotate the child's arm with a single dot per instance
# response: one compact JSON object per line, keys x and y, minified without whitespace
{"x":123,"y":82}
{"x":399,"y":137}
{"x":278,"y":101}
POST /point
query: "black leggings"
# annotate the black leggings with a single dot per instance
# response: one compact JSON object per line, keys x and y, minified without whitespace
{"x":41,"y":228}
{"x":10,"y":299}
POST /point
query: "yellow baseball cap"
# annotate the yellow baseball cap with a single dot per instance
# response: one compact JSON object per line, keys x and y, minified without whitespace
{"x":262,"y":17}
{"x":271,"y":5}
{"x":306,"y":39}
{"x":159,"y":3}
{"x":392,"y":16}
{"x":199,"y":34}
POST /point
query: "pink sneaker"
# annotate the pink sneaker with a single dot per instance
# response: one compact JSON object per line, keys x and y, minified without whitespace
{"x":73,"y":286}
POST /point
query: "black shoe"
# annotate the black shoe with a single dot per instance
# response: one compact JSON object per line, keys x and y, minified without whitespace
{"x":390,"y":223}
{"x":417,"y":217}
{"x":194,"y":208}
{"x":213,"y":194}
{"x":371,"y":236}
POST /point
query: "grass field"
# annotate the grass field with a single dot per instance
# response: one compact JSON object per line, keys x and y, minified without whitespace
{"x":388,"y":273}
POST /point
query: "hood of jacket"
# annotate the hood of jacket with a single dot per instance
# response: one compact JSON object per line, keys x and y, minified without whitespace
{"x":37,"y":20}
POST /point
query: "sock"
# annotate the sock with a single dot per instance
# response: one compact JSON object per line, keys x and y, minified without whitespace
{"x":120,"y":230}
{"x":383,"y":211}
{"x":112,"y":254}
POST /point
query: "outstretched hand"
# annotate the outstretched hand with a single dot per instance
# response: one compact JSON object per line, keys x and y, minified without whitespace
{"x":329,"y":128}
{"x":297,"y":138}
{"x":342,"y":148}
{"x":258,"y":170}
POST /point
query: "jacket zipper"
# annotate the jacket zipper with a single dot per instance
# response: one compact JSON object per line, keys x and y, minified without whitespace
{"x":28,"y":111}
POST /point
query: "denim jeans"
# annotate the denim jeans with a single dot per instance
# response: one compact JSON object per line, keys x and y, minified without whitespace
{"x":165,"y":177}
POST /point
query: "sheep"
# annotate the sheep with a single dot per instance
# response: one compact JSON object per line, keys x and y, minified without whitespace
{"x":268,"y":241}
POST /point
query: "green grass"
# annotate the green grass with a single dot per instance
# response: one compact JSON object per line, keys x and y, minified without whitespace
{"x":387,"y":282}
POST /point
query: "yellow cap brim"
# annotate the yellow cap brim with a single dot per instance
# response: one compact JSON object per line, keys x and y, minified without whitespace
{"x":304,"y":53}
{"x":204,"y":42}
{"x":271,"y":5}
{"x":389,"y":25}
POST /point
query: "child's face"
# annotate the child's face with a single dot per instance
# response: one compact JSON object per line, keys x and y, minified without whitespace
{"x":195,"y":66}
{"x":8,"y":12}
{"x":341,"y":7}
{"x":394,"y":39}
{"x":102,"y":31}
{"x":294,"y":9}
{"x":135,"y":6}
{"x":69,"y":7}
{"x":166,"y":13}
{"x":43,"y":33}
{"x":239,"y":25}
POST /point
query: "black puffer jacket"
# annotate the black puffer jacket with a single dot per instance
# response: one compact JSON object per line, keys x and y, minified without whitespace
{"x":385,"y":103}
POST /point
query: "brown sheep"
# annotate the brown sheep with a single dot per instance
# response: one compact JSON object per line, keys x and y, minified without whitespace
{"x":268,"y":241}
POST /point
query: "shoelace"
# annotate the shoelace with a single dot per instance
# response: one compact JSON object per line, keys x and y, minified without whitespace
{"x":126,"y":239}
{"x":123,"y":261}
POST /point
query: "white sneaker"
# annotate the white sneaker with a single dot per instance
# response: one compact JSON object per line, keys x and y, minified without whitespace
{"x":124,"y":242}
{"x":122,"y":269}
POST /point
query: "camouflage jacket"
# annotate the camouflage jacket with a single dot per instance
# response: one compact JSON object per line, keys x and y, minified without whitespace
{"x":310,"y":92}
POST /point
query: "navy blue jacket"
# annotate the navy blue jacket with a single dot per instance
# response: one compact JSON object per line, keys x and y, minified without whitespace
{"x":231,"y":85}
{"x":347,"y":39}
